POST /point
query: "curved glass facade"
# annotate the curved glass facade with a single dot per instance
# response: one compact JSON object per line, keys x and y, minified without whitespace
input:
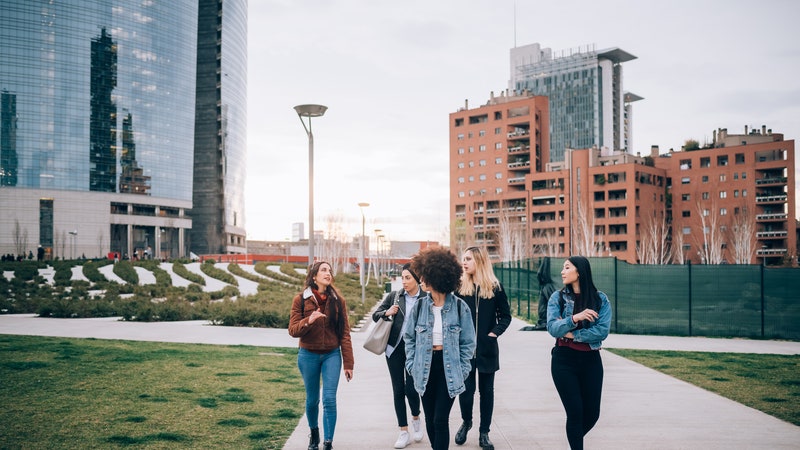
{"x":98,"y":96}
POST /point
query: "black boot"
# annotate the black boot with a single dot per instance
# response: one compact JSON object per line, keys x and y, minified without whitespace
{"x":484,"y":442}
{"x":461,"y":434}
{"x":327,"y":445}
{"x":313,"y":439}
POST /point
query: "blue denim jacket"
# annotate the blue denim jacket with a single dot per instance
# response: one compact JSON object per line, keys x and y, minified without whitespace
{"x":558,"y":326}
{"x":458,"y":341}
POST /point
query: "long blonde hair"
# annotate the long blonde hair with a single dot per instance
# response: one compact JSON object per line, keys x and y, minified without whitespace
{"x":484,"y":276}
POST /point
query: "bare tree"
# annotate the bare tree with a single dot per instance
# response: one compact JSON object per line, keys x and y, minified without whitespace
{"x":20,"y":238}
{"x":459,"y":236}
{"x":336,"y":247}
{"x":100,"y":242}
{"x":710,"y":247}
{"x":546,"y":243}
{"x":743,"y":237}
{"x":652,"y":247}
{"x":586,"y":241}
{"x":511,"y":237}
{"x":677,"y":247}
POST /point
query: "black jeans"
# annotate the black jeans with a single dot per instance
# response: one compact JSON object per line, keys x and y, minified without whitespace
{"x":578,"y":377}
{"x":436,"y":403}
{"x":402,"y":386}
{"x":486,"y":391}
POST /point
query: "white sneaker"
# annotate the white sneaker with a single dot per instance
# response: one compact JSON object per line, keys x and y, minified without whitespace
{"x":403,"y":440}
{"x":417,"y":425}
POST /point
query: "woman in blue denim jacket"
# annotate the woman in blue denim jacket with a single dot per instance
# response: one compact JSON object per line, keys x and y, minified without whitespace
{"x":439,"y":341}
{"x":579,"y":317}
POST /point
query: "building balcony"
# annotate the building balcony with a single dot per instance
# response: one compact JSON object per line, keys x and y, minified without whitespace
{"x":518,"y":133}
{"x":519,"y":149}
{"x":771,"y":251}
{"x":768,"y":181}
{"x":771,"y":216}
{"x":519,"y":164}
{"x":517,"y":180}
{"x":771,"y":234}
{"x":760,"y":199}
{"x":461,"y":215}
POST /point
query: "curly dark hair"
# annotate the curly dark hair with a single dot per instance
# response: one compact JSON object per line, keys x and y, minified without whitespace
{"x":438,"y":268}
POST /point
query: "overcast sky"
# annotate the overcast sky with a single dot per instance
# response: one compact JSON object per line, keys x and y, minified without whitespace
{"x":391,"y":73}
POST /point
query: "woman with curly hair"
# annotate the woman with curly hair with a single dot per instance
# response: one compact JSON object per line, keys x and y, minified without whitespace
{"x":440,"y":341}
{"x":319,"y":319}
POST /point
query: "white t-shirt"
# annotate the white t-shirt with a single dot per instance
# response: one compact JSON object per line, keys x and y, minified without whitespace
{"x":437,"y":326}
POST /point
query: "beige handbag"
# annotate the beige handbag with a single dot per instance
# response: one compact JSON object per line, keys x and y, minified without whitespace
{"x":379,"y":337}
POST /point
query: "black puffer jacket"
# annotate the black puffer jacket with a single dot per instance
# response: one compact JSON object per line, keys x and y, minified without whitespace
{"x":489,"y":316}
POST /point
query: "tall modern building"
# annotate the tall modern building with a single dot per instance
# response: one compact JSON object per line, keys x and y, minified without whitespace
{"x":588,"y":107}
{"x":99,"y":104}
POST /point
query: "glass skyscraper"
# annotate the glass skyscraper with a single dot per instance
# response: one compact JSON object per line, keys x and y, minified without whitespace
{"x":97,"y":124}
{"x":584,"y":87}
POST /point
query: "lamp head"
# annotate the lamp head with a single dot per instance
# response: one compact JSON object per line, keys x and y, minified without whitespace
{"x":310,"y":110}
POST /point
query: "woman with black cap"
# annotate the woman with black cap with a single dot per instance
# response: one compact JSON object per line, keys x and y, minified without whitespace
{"x":579,"y":317}
{"x":394,"y":307}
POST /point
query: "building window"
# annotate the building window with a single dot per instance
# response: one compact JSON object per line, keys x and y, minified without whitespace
{"x":460,"y":136}
{"x":722,"y":160}
{"x":482,"y":147}
{"x":469,"y":135}
{"x":461,"y":194}
{"x":498,"y":145}
{"x":498,"y":130}
{"x":706,"y":213}
{"x":498,"y":160}
{"x":686,"y":197}
{"x":482,"y":162}
{"x":498,"y":190}
{"x":461,"y":151}
{"x":705,"y":162}
{"x":735,"y":175}
{"x":482,"y":133}
{"x":739,"y":158}
{"x":471,"y":178}
{"x":705,"y":178}
{"x":723,"y":211}
{"x":460,"y":179}
{"x":687,"y":230}
{"x":686,"y":164}
{"x":723,"y":194}
{"x":498,"y":176}
{"x":686,"y":214}
{"x":685,"y":180}
{"x":744,"y":175}
{"x":744,"y":192}
{"x":472,"y":163}
{"x":461,"y":165}
{"x":706,"y":196}
{"x":722,"y":177}
{"x":471,"y":149}
{"x":482,"y":177}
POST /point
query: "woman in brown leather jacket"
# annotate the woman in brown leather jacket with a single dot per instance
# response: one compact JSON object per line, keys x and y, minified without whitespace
{"x":319,"y":319}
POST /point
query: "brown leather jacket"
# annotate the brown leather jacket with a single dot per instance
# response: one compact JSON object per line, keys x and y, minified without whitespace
{"x":319,"y":337}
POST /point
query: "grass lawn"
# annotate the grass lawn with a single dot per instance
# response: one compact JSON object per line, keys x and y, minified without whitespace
{"x":768,"y":383}
{"x":87,"y":393}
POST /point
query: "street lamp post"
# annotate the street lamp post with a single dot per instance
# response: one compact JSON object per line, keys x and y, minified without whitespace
{"x":73,"y":234}
{"x":362,"y":205}
{"x":378,"y":255}
{"x":310,"y":111}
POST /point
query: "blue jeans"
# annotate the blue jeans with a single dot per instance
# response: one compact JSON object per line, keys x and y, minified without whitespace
{"x":328,"y":367}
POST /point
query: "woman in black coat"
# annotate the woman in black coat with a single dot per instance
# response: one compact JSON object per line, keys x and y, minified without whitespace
{"x":491,"y":315}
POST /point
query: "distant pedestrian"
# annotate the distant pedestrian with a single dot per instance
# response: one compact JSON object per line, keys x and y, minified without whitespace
{"x":319,"y":318}
{"x":440,"y":341}
{"x":579,"y":317}
{"x":30,"y":255}
{"x":491,"y":316}
{"x":546,"y":289}
{"x":395,"y":307}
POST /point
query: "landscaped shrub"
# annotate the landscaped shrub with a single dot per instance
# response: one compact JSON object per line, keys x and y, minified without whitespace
{"x":92,"y":272}
{"x":218,"y":274}
{"x":183,"y":272}
{"x":125,"y":270}
{"x":291,"y":270}
{"x":261,"y":267}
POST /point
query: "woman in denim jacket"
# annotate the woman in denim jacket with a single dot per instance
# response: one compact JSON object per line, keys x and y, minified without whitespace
{"x":440,"y":341}
{"x":579,"y":317}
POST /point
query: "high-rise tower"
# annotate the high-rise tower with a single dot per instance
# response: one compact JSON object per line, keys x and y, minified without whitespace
{"x":584,"y":86}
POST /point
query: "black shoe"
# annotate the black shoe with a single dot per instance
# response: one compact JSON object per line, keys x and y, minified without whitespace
{"x":327,"y":445}
{"x":461,"y":434}
{"x":313,"y":439}
{"x":484,"y":442}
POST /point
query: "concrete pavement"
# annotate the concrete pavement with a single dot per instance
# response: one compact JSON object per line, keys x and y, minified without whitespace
{"x":641,"y":408}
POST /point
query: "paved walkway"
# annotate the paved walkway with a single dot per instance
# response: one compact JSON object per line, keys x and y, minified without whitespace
{"x":641,"y":409}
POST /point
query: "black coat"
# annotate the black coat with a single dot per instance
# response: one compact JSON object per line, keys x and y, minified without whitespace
{"x":489,"y":316}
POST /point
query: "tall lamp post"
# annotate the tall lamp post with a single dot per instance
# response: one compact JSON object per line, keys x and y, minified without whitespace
{"x":363,"y":205}
{"x":378,"y":255}
{"x":310,"y":111}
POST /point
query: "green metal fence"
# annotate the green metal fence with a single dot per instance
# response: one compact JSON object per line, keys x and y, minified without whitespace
{"x":749,"y":301}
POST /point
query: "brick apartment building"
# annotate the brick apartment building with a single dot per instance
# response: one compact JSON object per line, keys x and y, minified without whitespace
{"x":733,"y":202}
